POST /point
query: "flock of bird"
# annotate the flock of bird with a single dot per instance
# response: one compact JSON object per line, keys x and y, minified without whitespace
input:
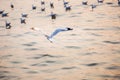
{"x":66,"y":5}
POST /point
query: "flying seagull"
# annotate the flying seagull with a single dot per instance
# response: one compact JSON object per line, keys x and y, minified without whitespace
{"x":55,"y":32}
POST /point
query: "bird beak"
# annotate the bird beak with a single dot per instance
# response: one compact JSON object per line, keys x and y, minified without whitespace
{"x":71,"y":28}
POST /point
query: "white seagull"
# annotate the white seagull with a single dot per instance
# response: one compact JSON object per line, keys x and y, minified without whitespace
{"x":55,"y":32}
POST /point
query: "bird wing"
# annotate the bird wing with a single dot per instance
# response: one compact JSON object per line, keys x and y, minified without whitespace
{"x":57,"y":31}
{"x":35,"y":28}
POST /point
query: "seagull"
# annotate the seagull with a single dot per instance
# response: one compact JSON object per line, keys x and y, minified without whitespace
{"x":51,"y":5}
{"x":12,"y":6}
{"x":53,"y":15}
{"x":84,"y":2}
{"x":65,"y":2}
{"x":119,"y":2}
{"x":100,"y":1}
{"x":1,"y":11}
{"x":68,"y":7}
{"x":8,"y":25}
{"x":33,"y":7}
{"x":4,"y":14}
{"x":24,"y":15}
{"x":22,"y":20}
{"x":43,"y":9}
{"x":42,"y":2}
{"x":55,"y":32}
{"x":93,"y":6}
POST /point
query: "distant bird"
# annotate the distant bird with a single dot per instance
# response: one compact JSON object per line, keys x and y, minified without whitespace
{"x":100,"y":1}
{"x":51,"y":5}
{"x":42,"y":2}
{"x":24,"y":15}
{"x":93,"y":6}
{"x":55,"y":32}
{"x":68,"y":8}
{"x":12,"y":6}
{"x":53,"y":15}
{"x":33,"y":7}
{"x":84,"y":2}
{"x":22,"y":20}
{"x":43,"y":9}
{"x":119,"y":2}
{"x":1,"y":11}
{"x":65,"y":2}
{"x":4,"y":14}
{"x":8,"y":25}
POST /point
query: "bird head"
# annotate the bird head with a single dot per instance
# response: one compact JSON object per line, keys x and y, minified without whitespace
{"x":70,"y":28}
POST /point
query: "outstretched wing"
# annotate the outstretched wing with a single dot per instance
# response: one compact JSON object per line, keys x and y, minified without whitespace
{"x":57,"y":31}
{"x":35,"y":28}
{"x":53,"y":34}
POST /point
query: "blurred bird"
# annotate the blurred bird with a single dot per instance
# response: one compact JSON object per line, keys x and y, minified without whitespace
{"x":1,"y":11}
{"x":51,"y":5}
{"x":93,"y":6}
{"x":33,"y":7}
{"x":4,"y":14}
{"x":100,"y":1}
{"x":12,"y":6}
{"x":65,"y":2}
{"x":68,"y":8}
{"x":42,"y":2}
{"x":43,"y":9}
{"x":119,"y":2}
{"x":22,"y":20}
{"x":8,"y":25}
{"x":24,"y":15}
{"x":53,"y":15}
{"x":84,"y":2}
{"x":55,"y":32}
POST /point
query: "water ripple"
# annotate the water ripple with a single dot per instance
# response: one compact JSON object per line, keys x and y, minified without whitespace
{"x":73,"y":47}
{"x":30,"y":44}
{"x":6,"y":75}
{"x":18,"y":35}
{"x":94,"y":64}
{"x":39,"y":56}
{"x":111,"y":42}
{"x":111,"y":76}
{"x":94,"y":29}
{"x":31,"y":49}
{"x":67,"y":68}
{"x":113,"y":68}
